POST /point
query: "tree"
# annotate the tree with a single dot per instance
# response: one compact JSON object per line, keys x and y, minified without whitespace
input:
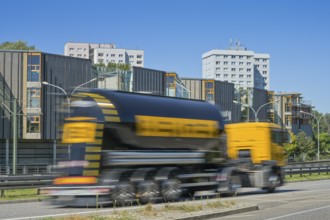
{"x":324,"y":145}
{"x":18,"y":45}
{"x":306,"y":146}
{"x":301,"y":147}
{"x":119,"y":66}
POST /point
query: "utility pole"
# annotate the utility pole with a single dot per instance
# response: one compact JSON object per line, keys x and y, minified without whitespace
{"x":14,"y":131}
{"x":14,"y":114}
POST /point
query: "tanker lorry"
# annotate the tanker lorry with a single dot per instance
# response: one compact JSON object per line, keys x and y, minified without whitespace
{"x":129,"y":146}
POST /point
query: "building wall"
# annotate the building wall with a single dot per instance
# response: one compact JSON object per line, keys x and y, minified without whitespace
{"x":21,"y":78}
{"x":67,"y":73}
{"x":194,"y":86}
{"x":219,"y":93}
{"x":11,"y":84}
{"x":287,"y":112}
{"x":149,"y":80}
{"x":239,"y":66}
{"x":104,"y":53}
{"x":80,"y":50}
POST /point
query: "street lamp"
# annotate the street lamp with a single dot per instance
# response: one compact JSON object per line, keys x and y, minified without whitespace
{"x":318,"y":131}
{"x":68,"y":99}
{"x":66,"y":94}
{"x":254,"y":111}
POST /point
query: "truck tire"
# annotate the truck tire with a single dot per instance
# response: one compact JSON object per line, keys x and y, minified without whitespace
{"x":147,"y":191}
{"x":233,"y":183}
{"x":170,"y":190}
{"x":123,"y":194}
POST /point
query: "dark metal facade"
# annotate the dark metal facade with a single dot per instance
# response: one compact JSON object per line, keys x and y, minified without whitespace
{"x":11,"y":81}
{"x":67,"y":73}
{"x":21,"y":74}
{"x":149,"y":80}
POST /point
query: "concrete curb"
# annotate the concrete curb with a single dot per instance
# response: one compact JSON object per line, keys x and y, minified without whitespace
{"x":220,"y":213}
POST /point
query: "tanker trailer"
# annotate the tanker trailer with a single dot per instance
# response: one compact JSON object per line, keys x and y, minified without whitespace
{"x":129,"y":146}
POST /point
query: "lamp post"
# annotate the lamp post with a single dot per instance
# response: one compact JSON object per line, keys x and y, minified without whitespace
{"x":254,"y":111}
{"x":68,"y":100}
{"x":66,"y":94}
{"x":318,"y":131}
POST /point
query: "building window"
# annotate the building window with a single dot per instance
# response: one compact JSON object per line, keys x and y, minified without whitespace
{"x":217,"y":75}
{"x":33,"y":97}
{"x":139,"y":56}
{"x":217,"y":69}
{"x":241,"y":69}
{"x":120,"y":61}
{"x":241,"y":76}
{"x":71,"y":55}
{"x":248,"y":63}
{"x":79,"y":49}
{"x":241,"y":63}
{"x":217,"y":62}
{"x":264,"y":72}
{"x":233,"y":69}
{"x":225,"y":69}
{"x":248,"y":70}
{"x":240,"y":57}
{"x":264,"y":66}
{"x":139,"y":62}
{"x":78,"y":55}
{"x":264,"y":60}
{"x":71,"y":49}
{"x":33,"y":123}
{"x":225,"y":63}
{"x":225,"y":76}
{"x":257,"y":60}
{"x":248,"y":76}
{"x":113,"y":55}
{"x":225,"y":56}
{"x":131,"y":56}
{"x":120,"y":55}
{"x":233,"y":57}
{"x":233,"y":63}
{"x":100,"y":54}
{"x":233,"y":75}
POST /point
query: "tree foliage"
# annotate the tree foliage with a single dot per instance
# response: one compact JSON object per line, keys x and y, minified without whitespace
{"x":301,"y":148}
{"x":18,"y":45}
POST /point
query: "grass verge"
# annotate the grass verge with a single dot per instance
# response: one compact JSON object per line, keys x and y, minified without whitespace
{"x":161,"y":211}
{"x":307,"y":177}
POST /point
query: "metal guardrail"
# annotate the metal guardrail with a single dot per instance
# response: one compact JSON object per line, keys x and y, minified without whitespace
{"x":28,"y":169}
{"x":308,"y":167}
{"x":24,"y":182}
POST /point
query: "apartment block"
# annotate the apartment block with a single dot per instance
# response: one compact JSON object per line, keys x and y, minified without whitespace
{"x":237,"y":65}
{"x":105,"y":53}
{"x":287,"y":111}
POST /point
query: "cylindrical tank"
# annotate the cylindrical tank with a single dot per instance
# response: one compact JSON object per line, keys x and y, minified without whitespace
{"x":143,"y":121}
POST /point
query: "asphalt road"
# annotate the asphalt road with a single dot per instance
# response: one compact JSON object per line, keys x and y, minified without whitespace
{"x":304,"y":200}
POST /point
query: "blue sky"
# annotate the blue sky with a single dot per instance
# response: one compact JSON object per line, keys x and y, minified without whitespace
{"x":175,"y":33}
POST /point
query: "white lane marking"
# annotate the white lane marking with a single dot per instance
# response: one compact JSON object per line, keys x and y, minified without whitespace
{"x":298,"y":213}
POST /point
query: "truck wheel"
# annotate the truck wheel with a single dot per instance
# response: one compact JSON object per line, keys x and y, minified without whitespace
{"x":122,"y":194}
{"x":233,"y":183}
{"x":147,"y":191}
{"x":274,"y":180}
{"x":171,"y":190}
